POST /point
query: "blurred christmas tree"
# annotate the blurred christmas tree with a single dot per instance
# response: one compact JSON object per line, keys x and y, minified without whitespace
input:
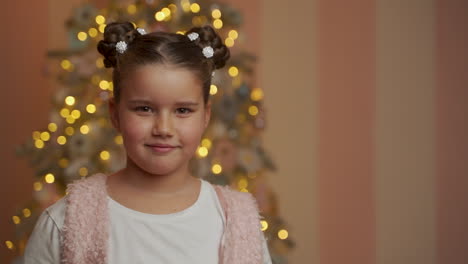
{"x":80,"y":140}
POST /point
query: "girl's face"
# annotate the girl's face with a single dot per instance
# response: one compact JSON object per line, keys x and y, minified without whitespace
{"x":161,"y":116}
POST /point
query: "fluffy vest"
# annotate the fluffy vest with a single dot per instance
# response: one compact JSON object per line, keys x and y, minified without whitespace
{"x":85,"y":232}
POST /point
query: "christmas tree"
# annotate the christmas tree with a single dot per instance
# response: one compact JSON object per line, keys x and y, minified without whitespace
{"x":80,"y":140}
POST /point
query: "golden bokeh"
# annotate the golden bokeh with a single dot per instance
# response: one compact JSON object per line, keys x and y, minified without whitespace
{"x":45,"y":136}
{"x":216,"y":13}
{"x":52,"y":127}
{"x":118,"y":140}
{"x":61,"y":140}
{"x":213,"y":89}
{"x":39,"y":143}
{"x":82,"y":36}
{"x":206,"y":143}
{"x":253,"y":110}
{"x":283,"y":234}
{"x":131,"y":9}
{"x":264,"y":225}
{"x":256,"y":94}
{"x":93,"y":32}
{"x":233,"y":71}
{"x":37,"y":186}
{"x":202,"y":152}
{"x":218,"y":23}
{"x":26,"y":212}
{"x":16,"y":219}
{"x":70,"y":100}
{"x":104,"y":155}
{"x":69,"y":131}
{"x":216,"y":168}
{"x":100,"y":19}
{"x":195,"y":8}
{"x":233,"y":34}
{"x":83,"y":172}
{"x":49,"y":178}
{"x":91,"y":108}
{"x":84,"y":129}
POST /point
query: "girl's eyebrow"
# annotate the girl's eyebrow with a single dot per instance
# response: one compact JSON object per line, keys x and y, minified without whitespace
{"x":181,"y":103}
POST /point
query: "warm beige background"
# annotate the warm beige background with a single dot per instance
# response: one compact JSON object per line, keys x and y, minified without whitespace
{"x":366,"y":121}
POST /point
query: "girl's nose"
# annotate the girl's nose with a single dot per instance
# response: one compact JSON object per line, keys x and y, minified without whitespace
{"x":163,"y":126}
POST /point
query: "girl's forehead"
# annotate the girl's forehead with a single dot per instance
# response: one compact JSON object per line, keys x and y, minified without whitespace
{"x":162,"y":82}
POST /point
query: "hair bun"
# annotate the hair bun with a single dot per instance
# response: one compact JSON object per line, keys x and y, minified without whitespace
{"x":209,"y":37}
{"x":113,"y":33}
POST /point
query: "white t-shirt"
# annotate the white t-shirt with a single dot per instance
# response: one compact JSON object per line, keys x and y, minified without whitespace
{"x":192,"y":235}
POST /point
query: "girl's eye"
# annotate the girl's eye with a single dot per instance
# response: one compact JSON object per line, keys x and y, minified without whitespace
{"x":143,"y":108}
{"x":184,"y":110}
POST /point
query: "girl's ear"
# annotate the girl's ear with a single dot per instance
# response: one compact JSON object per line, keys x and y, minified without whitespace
{"x":207,"y":114}
{"x":114,"y":113}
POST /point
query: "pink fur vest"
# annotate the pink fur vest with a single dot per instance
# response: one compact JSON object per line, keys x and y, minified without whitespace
{"x":86,"y":226}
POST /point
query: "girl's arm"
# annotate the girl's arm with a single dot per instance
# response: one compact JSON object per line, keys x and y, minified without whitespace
{"x":43,"y":246}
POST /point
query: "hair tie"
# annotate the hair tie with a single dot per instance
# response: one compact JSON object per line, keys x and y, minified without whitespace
{"x":207,"y":51}
{"x":121,"y":47}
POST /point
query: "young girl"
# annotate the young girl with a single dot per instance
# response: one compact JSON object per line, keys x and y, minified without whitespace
{"x":154,"y":210}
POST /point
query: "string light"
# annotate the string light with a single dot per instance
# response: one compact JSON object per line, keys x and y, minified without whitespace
{"x":70,"y":100}
{"x":233,"y":71}
{"x":36,"y":135}
{"x":63,"y":162}
{"x":84,"y":129}
{"x":16,"y":219}
{"x":216,"y":14}
{"x":218,"y":23}
{"x":90,"y":108}
{"x":166,"y":11}
{"x":70,"y":120}
{"x":131,"y":9}
{"x":75,"y":114}
{"x":52,"y":127}
{"x":185,"y":5}
{"x":61,"y":140}
{"x":243,"y":183}
{"x":256,"y":94}
{"x":233,"y":34}
{"x":9,"y":244}
{"x":206,"y":143}
{"x":92,"y":32}
{"x":69,"y":131}
{"x":102,"y":27}
{"x":66,"y":64}
{"x":83,"y":172}
{"x":49,"y":178}
{"x":105,"y":155}
{"x":26,"y":212}
{"x":39,"y":144}
{"x":100,"y":19}
{"x":202,"y":152}
{"x":264,"y":225}
{"x":45,"y":136}
{"x":253,"y":110}
{"x":159,"y":16}
{"x":216,"y":168}
{"x":283,"y":234}
{"x":118,"y":140}
{"x":82,"y":36}
{"x":195,"y":8}
{"x":104,"y":85}
{"x":37,"y":186}
{"x":229,"y":42}
{"x":213,"y":89}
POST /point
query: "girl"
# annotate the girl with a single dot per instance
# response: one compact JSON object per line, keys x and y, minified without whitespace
{"x":154,"y":210}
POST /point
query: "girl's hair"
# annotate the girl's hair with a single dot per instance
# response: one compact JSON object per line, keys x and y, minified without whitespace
{"x":161,"y":48}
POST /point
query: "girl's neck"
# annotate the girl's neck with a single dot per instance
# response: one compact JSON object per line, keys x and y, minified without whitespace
{"x":158,"y":185}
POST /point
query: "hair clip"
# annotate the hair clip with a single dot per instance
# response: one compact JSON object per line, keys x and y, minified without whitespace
{"x":142,"y":31}
{"x":193,"y":36}
{"x":208,"y":52}
{"x":121,"y":47}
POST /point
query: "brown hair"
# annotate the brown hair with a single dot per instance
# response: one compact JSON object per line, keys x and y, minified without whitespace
{"x":161,"y":48}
